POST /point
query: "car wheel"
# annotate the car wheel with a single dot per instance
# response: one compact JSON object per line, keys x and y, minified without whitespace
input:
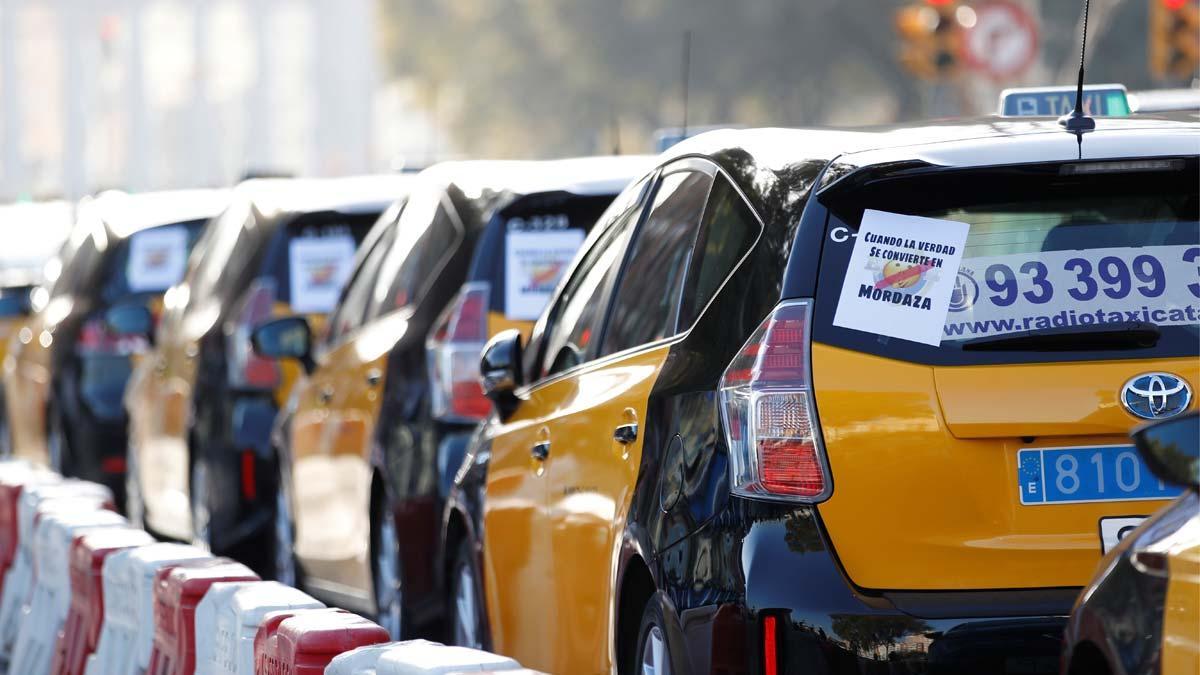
{"x":56,"y":443}
{"x":201,"y":513}
{"x":135,"y":507}
{"x":386,"y":571}
{"x":466,"y":616}
{"x":283,"y":558}
{"x":652,"y":656}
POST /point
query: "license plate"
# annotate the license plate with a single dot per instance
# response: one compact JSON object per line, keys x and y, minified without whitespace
{"x":1113,"y":473}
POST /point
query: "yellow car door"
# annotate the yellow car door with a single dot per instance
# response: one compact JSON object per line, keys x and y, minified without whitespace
{"x":593,"y":467}
{"x":523,"y":568}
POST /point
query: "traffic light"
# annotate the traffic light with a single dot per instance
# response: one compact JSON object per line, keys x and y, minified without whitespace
{"x":1174,"y":38}
{"x":931,"y":37}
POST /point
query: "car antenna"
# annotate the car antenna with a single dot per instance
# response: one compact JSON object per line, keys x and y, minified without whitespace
{"x":1076,"y":121}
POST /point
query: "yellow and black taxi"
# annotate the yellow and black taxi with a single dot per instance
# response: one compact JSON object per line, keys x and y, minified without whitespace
{"x":841,"y":402}
{"x":1141,"y":613}
{"x":371,"y":441}
{"x":68,"y":371}
{"x":202,"y":402}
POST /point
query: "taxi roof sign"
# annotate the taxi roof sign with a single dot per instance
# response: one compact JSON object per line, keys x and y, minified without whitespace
{"x":1099,"y":100}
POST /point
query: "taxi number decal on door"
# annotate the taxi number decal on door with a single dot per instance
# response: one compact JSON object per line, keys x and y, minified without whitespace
{"x":1087,"y":474}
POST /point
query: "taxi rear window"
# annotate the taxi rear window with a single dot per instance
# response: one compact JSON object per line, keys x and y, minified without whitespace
{"x":529,"y":245}
{"x":1056,"y":256}
{"x":150,"y":261}
{"x":313,"y":256}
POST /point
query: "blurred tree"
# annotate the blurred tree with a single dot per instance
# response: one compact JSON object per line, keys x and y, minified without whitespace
{"x":551,"y":77}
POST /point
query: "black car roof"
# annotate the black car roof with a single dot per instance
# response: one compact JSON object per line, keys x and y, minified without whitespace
{"x":956,"y":141}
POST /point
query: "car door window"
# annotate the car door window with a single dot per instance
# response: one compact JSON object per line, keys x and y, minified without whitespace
{"x":727,"y":232}
{"x":646,"y":304}
{"x":428,"y":232}
{"x":351,"y":310}
{"x":579,"y":309}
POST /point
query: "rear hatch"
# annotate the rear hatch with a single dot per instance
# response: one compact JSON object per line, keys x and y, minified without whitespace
{"x":992,"y":459}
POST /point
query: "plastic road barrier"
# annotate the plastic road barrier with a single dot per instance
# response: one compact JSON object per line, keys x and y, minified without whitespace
{"x":39,"y":628}
{"x":360,"y":661}
{"x":227,"y":620}
{"x":127,"y":637}
{"x":177,"y":591}
{"x":429,"y":658}
{"x":304,"y":642}
{"x":13,"y":480}
{"x":81,"y":631}
{"x":35,"y":499}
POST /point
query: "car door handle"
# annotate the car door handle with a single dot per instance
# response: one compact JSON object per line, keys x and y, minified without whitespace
{"x":626,"y":433}
{"x":540,"y":451}
{"x":326,"y":395}
{"x":374,"y":376}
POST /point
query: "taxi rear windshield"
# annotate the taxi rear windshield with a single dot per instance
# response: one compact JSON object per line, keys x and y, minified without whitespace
{"x":529,"y":245}
{"x":149,"y":261}
{"x":313,"y":256}
{"x":1061,"y":262}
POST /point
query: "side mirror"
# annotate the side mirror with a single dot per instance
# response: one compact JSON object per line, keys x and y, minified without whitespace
{"x":130,"y":319}
{"x":286,"y":338}
{"x":500,"y":368}
{"x":16,"y":301}
{"x":1171,"y":449}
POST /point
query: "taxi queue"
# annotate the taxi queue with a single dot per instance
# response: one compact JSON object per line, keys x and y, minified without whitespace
{"x":774,"y":401}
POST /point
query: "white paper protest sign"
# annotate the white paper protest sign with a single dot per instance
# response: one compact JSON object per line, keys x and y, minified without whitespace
{"x":901,"y":276}
{"x":534,"y":263}
{"x":157,"y":258}
{"x":318,"y":266}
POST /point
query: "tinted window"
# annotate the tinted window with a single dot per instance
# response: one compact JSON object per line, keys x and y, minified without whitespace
{"x":352,"y":309}
{"x":579,"y":308}
{"x":427,"y":235}
{"x":727,"y":232}
{"x":1048,"y":249}
{"x":646,"y":306}
{"x":313,"y":256}
{"x":150,"y":261}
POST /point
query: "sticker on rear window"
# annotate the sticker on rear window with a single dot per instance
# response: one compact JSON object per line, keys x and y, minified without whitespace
{"x":1040,"y":290}
{"x":901,"y":276}
{"x":534,"y":262}
{"x":318,"y":266}
{"x":157,"y":258}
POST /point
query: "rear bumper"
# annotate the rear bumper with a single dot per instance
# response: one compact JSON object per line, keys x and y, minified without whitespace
{"x":760,"y":560}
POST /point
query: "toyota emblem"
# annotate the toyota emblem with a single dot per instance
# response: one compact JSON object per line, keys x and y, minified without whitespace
{"x":1155,"y":396}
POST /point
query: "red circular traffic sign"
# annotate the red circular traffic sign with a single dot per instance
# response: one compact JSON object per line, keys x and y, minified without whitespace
{"x":1003,"y":42}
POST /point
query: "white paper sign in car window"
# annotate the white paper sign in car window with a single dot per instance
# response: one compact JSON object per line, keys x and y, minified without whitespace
{"x":318,"y":266}
{"x":157,"y":258}
{"x":534,"y":262}
{"x":901,"y":276}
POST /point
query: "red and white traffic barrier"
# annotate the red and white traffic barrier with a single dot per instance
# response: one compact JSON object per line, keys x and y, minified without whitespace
{"x":227,"y":620}
{"x":177,"y":591}
{"x":303,"y":642}
{"x":85,"y":617}
{"x":419,"y":657}
{"x":13,"y":479}
{"x":39,"y":628}
{"x":127,"y":637}
{"x":35,"y":499}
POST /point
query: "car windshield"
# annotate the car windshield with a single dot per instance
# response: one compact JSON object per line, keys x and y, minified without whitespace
{"x":1049,"y":250}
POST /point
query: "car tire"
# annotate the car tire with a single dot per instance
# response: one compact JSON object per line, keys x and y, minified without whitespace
{"x":199,"y":486}
{"x":464,"y":612}
{"x":385,"y":570}
{"x":652,"y":657}
{"x":135,"y":506}
{"x":283,"y":565}
{"x":57,"y":448}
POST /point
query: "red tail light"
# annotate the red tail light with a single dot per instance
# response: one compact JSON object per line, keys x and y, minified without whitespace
{"x":95,"y":339}
{"x":770,"y":423}
{"x":770,"y":649}
{"x":453,"y":351}
{"x":247,"y":369}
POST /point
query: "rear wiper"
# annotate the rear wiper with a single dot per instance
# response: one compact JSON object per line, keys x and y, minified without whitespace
{"x":1096,"y":337}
